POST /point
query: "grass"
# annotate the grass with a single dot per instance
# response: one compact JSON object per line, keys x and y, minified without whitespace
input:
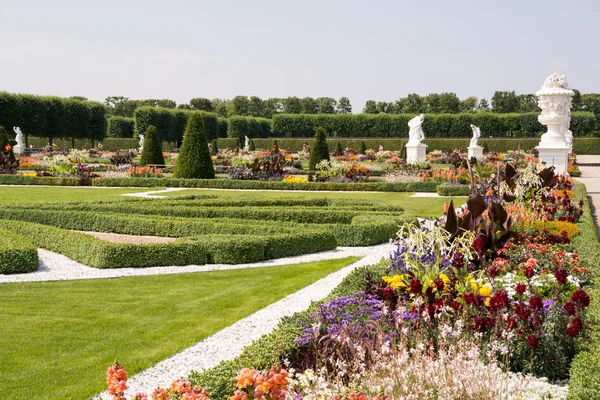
{"x":58,"y":338}
{"x":44,"y":194}
{"x":420,"y":206}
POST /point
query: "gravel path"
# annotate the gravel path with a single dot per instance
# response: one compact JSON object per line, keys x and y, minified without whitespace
{"x":229,"y":342}
{"x":56,"y":267}
{"x":132,"y":239}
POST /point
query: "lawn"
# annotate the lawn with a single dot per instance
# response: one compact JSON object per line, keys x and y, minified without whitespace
{"x":420,"y":206}
{"x":58,"y":338}
{"x":44,"y":194}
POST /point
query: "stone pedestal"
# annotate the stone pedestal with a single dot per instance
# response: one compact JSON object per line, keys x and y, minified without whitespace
{"x":415,"y":153}
{"x":475,"y":151}
{"x":19,"y":149}
{"x":558,"y":156}
{"x":140,"y":150}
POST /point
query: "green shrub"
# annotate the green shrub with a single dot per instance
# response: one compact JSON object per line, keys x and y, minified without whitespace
{"x":275,"y":147}
{"x":363,"y":147}
{"x":214,"y":147}
{"x":446,"y":190}
{"x":222,"y":127}
{"x":120,"y":127}
{"x":17,"y":254}
{"x":152,"y":150}
{"x":251,"y":146}
{"x":36,"y":180}
{"x":338,"y":150}
{"x":320,"y":151}
{"x":171,"y":123}
{"x":194,"y":161}
{"x":248,"y":126}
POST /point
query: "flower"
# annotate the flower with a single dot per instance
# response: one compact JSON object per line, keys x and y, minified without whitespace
{"x":529,"y":271}
{"x":415,"y":286}
{"x":581,"y":297}
{"x":485,"y":291}
{"x":536,"y":303}
{"x":533,"y":341}
{"x":7,"y":147}
{"x":575,"y":327}
{"x":570,"y":307}
{"x":520,"y":288}
{"x":561,"y":276}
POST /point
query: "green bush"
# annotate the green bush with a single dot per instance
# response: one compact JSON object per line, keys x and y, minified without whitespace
{"x":319,"y":151}
{"x":251,"y":146}
{"x":194,"y":161}
{"x":338,"y":149}
{"x":248,"y":126}
{"x":120,"y":127}
{"x":36,"y":180}
{"x":17,"y":254}
{"x":214,"y":147}
{"x":152,"y":150}
{"x":222,"y":127}
{"x":171,"y":123}
{"x":446,"y":190}
{"x":363,"y":147}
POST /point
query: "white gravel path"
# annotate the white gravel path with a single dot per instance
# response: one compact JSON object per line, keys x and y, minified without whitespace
{"x":56,"y":267}
{"x":229,"y":342}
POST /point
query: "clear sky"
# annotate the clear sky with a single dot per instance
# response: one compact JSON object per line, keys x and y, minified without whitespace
{"x":379,"y":50}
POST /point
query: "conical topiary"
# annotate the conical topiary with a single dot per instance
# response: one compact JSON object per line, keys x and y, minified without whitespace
{"x":194,"y":158}
{"x":152,"y":150}
{"x":275,"y":148}
{"x":251,"y":146}
{"x":320,"y":151}
{"x":214,"y":148}
{"x":338,"y":151}
{"x":363,"y":148}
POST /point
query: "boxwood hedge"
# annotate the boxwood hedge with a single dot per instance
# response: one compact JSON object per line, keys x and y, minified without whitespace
{"x":17,"y":253}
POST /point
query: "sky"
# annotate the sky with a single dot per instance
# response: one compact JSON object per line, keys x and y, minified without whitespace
{"x":380,"y":50}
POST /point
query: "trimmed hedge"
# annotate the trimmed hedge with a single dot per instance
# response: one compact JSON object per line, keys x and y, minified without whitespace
{"x":320,"y":151}
{"x":38,"y":180}
{"x":120,"y":127}
{"x":17,"y":254}
{"x":248,"y":126}
{"x":445,"y":190}
{"x":194,"y":159}
{"x":171,"y":123}
{"x":152,"y":150}
{"x":435,"y":125}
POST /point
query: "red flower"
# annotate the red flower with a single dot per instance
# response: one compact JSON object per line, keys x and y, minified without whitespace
{"x":561,"y":276}
{"x":493,"y":271}
{"x":479,"y":244}
{"x":415,"y":286}
{"x":520,"y":288}
{"x":581,"y":297}
{"x":575,"y":327}
{"x":570,"y":307}
{"x":455,"y":305}
{"x":388,"y":293}
{"x":439,"y":284}
{"x":499,"y":300}
{"x":529,"y":271}
{"x":533,"y":341}
{"x":536,"y":303}
{"x":521,"y":311}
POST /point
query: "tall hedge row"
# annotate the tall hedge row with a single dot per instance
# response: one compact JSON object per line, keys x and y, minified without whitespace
{"x":435,"y":125}
{"x":120,"y":127}
{"x":248,"y":126}
{"x":53,"y":117}
{"x":170,"y":123}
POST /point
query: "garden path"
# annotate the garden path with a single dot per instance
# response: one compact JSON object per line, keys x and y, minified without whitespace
{"x":230,"y":342}
{"x":156,"y":194}
{"x":590,"y":176}
{"x":56,"y":267}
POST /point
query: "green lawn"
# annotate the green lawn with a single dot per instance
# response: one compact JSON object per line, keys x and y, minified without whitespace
{"x":420,"y":206}
{"x":58,"y":338}
{"x":37,"y":194}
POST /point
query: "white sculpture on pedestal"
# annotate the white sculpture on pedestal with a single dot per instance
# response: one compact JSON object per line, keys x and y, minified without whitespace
{"x":475,"y":150}
{"x":554,"y":98}
{"x":569,"y":140}
{"x":415,"y":150}
{"x":247,"y":144}
{"x":141,"y":143}
{"x":19,"y":139}
{"x":416,"y":134}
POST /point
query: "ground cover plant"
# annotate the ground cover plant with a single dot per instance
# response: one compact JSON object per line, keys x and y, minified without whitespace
{"x":59,"y":336}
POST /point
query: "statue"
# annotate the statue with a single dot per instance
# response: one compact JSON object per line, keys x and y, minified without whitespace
{"x":141,"y":141}
{"x":476,"y":135}
{"x":416,"y":134}
{"x":19,"y":138}
{"x":247,"y":144}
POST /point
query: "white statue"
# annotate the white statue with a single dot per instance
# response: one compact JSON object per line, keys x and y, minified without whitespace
{"x":476,"y":135}
{"x":569,"y":140}
{"x":247,"y":144}
{"x":19,"y":138}
{"x":416,"y":134}
{"x":141,"y":141}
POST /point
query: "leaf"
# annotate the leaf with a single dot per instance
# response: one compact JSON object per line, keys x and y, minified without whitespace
{"x":451,"y":221}
{"x":476,"y":205}
{"x":510,"y":172}
{"x":497,"y":213}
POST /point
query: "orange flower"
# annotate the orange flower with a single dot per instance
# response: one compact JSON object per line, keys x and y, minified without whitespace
{"x":8,"y":147}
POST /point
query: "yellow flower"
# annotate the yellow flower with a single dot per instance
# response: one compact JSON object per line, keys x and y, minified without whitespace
{"x":445,"y":278}
{"x":485,"y":291}
{"x":487,"y":301}
{"x":397,"y":281}
{"x":474,"y":286}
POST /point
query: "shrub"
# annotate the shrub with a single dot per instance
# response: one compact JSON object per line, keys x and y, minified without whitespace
{"x":363,"y":147}
{"x":338,"y":151}
{"x":453,"y":190}
{"x":320,"y":151}
{"x":248,"y":126}
{"x":194,"y":158}
{"x":152,"y":151}
{"x":275,"y":147}
{"x":120,"y":127}
{"x":251,"y":146}
{"x":17,"y":254}
{"x":171,"y":123}
{"x":214,"y":147}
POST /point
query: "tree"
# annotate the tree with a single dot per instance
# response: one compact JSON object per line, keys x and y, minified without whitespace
{"x":194,"y":158}
{"x":184,"y":106}
{"x":251,"y":146}
{"x":239,"y":105}
{"x":214,"y":147}
{"x":292,"y":105}
{"x":273,"y":106}
{"x":326,"y":105}
{"x":432,"y":103}
{"x":152,"y":150}
{"x":5,"y":141}
{"x":370,"y":107}
{"x":469,"y":104}
{"x":483,"y":105}
{"x":344,"y":106}
{"x":383,"y":107}
{"x":528,"y":103}
{"x":220,"y":106}
{"x":275,"y":147}
{"x":320,"y":151}
{"x":338,"y":150}
{"x":576,"y":102}
{"x":202,"y":104}
{"x":256,"y":107}
{"x":414,"y":104}
{"x":363,"y":148}
{"x":308,"y":105}
{"x":505,"y":102}
{"x":449,"y":103}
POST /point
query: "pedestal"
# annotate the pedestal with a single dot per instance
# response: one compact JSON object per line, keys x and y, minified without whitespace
{"x":475,"y":151}
{"x":19,"y":149}
{"x":555,"y":155}
{"x":140,"y":150}
{"x":415,"y":153}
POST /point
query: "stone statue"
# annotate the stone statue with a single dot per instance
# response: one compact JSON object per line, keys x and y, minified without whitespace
{"x":416,"y":134}
{"x":19,"y":138}
{"x":247,"y":144}
{"x":141,"y":141}
{"x":476,"y":135}
{"x":569,"y":140}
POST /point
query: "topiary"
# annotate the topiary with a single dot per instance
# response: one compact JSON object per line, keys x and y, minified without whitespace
{"x":320,"y":151}
{"x":363,"y":148}
{"x":194,"y":158}
{"x":338,"y":151}
{"x":152,"y":150}
{"x":251,"y":146}
{"x":275,"y":148}
{"x":214,"y":149}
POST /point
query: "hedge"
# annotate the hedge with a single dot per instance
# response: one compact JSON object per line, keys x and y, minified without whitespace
{"x":447,"y":190}
{"x":52,"y":117}
{"x":194,"y":160}
{"x":171,"y":123}
{"x":435,"y":125}
{"x":248,"y":126}
{"x":17,"y":254}
{"x":120,"y":127}
{"x":584,"y":380}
